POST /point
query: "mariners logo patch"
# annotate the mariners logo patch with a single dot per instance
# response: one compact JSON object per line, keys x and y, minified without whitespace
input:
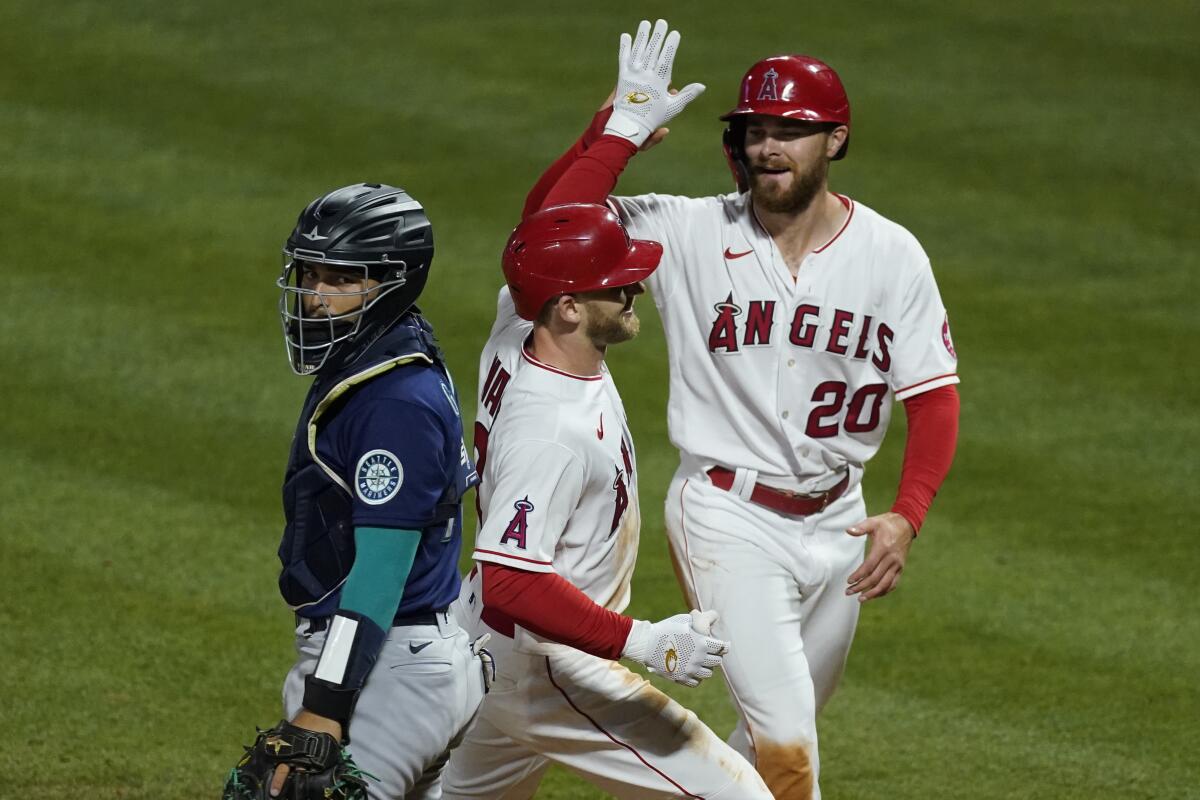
{"x":378,"y":477}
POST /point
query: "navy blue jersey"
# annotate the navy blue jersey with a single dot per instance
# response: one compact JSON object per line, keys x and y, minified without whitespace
{"x":398,"y":444}
{"x":380,"y":445}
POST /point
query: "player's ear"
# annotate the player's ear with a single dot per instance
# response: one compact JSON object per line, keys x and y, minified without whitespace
{"x":568,"y":309}
{"x":837,"y":137}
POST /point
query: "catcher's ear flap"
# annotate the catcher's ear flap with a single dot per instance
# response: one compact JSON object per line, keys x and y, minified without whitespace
{"x":732,"y":140}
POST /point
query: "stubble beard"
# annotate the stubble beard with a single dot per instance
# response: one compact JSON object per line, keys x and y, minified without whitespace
{"x":606,"y":330}
{"x":795,"y":199}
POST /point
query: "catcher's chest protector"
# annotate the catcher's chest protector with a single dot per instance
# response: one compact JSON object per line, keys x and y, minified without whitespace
{"x":317,"y":549}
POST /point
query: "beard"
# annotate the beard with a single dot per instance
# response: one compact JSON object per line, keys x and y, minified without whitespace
{"x":794,"y":199}
{"x":614,"y":329}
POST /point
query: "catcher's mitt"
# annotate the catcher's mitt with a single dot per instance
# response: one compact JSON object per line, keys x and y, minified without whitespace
{"x":319,"y":768}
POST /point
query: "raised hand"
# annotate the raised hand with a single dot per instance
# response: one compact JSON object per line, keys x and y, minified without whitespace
{"x":643,"y":101}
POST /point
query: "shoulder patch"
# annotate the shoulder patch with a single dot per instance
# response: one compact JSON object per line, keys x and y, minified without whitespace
{"x":378,"y":476}
{"x":518,"y":528}
{"x":946,"y":340}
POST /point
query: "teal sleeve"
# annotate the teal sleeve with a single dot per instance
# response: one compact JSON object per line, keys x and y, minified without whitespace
{"x":382,"y":560}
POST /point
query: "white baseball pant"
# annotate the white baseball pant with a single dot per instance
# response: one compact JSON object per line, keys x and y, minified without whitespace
{"x":418,"y":702}
{"x":778,"y":582}
{"x":601,"y":721}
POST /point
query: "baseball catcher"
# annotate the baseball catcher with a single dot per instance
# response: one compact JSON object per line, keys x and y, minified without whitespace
{"x":372,"y":497}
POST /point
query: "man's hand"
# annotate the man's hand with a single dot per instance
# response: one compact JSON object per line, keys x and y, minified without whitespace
{"x":681,"y":648}
{"x":656,"y":137}
{"x":309,"y":721}
{"x":299,"y":760}
{"x":891,"y":536}
{"x":643,"y":102}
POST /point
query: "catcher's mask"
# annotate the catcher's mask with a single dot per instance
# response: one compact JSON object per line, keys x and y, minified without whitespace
{"x":791,"y":86}
{"x":372,"y":232}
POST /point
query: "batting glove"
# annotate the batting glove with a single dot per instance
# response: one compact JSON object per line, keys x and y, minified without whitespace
{"x":643,"y":102}
{"x":680,"y":648}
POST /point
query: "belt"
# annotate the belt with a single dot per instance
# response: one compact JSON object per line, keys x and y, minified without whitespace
{"x":781,"y":499}
{"x":318,"y":624}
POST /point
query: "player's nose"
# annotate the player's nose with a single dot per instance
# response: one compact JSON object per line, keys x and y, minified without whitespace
{"x":634,"y":289}
{"x":314,"y":306}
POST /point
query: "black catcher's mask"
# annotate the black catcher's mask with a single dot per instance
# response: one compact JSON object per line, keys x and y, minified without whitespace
{"x":369,"y":229}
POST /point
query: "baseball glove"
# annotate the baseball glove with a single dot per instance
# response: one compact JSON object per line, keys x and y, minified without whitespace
{"x":319,"y":768}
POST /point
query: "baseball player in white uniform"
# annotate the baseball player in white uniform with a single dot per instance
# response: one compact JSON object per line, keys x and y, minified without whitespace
{"x":794,"y":318}
{"x":558,"y":539}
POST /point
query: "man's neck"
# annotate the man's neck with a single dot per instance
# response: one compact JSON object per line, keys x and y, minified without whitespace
{"x":797,"y":234}
{"x":572,"y":353}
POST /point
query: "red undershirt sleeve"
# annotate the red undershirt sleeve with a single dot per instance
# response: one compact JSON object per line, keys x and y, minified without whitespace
{"x":928,"y":451}
{"x":548,"y":605}
{"x":534,"y":200}
{"x":593,"y":175}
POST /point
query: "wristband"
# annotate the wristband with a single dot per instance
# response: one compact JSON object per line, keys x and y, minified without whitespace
{"x":351,"y":647}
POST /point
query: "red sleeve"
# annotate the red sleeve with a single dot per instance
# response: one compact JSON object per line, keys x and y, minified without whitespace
{"x":534,"y":200}
{"x":550,"y":606}
{"x":593,"y":175}
{"x":928,"y":451}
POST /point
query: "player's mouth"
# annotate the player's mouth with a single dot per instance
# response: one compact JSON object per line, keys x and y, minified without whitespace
{"x":628,"y":309}
{"x":772,"y":172}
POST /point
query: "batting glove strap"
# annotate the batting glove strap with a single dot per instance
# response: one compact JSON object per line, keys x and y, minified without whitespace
{"x":643,"y":102}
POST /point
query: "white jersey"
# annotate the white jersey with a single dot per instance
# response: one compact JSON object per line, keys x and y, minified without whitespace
{"x":558,"y":485}
{"x":792,"y":378}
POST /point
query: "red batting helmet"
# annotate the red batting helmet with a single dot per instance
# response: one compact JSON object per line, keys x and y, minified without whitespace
{"x":571,"y":248}
{"x":796,"y":87}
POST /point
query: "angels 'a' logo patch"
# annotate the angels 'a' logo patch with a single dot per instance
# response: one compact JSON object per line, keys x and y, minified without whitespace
{"x":378,"y":477}
{"x":946,"y":340}
{"x":518,"y":528}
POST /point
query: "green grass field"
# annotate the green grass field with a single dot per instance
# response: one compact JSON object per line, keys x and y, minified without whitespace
{"x":153,"y":156}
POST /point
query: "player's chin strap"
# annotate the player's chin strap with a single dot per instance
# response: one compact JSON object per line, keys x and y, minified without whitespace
{"x":351,"y":647}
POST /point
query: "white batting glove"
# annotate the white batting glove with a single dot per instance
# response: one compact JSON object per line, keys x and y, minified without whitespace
{"x":643,"y":102}
{"x":680,"y":648}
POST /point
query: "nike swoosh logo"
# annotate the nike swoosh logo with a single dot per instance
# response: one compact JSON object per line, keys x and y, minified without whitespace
{"x":731,"y":255}
{"x":416,"y":648}
{"x":600,"y":430}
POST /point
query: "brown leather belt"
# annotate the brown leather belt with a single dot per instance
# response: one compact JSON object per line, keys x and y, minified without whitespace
{"x":781,"y":499}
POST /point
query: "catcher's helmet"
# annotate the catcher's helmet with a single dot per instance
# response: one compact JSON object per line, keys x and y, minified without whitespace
{"x":577,"y":247}
{"x":796,"y":87}
{"x":372,"y":227}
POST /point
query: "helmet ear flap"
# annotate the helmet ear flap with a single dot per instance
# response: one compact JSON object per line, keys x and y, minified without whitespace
{"x":733,"y":141}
